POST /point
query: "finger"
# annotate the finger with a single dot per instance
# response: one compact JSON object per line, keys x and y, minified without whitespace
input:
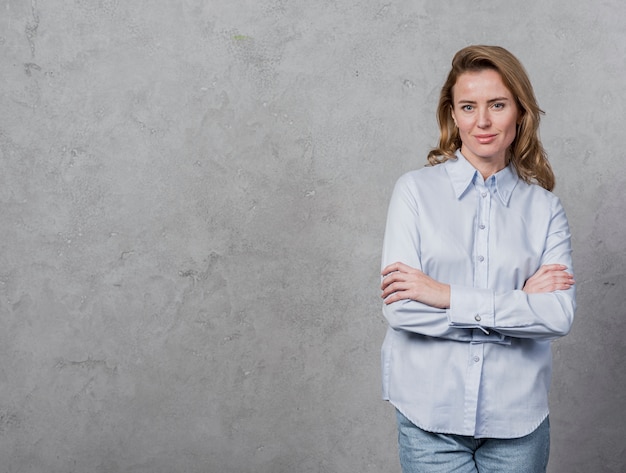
{"x":395,"y":297}
{"x":390,"y":268}
{"x":551,"y":267}
{"x":394,"y":288}
{"x":394,"y":267}
{"x":561,"y":276}
{"x":560,"y":287}
{"x":554,"y":275}
{"x":567,"y":280}
{"x":549,"y":281}
{"x":560,"y":282}
{"x":390,"y":279}
{"x":548,"y":272}
{"x":565,"y":275}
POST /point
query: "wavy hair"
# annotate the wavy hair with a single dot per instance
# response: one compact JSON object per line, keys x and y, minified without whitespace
{"x":526,"y":153}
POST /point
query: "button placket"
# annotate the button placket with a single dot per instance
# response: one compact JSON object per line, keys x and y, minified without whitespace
{"x":482,"y":238}
{"x":474,"y":373}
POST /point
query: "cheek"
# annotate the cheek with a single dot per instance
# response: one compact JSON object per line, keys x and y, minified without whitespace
{"x":513,"y":129}
{"x":464,"y":126}
{"x":509,"y":126}
{"x":465,"y":130}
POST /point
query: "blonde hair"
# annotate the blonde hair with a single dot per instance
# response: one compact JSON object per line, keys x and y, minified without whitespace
{"x":526,"y":153}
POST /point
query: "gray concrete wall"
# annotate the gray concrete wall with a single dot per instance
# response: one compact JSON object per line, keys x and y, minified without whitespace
{"x":192,"y":202}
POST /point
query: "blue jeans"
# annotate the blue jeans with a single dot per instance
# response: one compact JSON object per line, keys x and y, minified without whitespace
{"x":427,"y":452}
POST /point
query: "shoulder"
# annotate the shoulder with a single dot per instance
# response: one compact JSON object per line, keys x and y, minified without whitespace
{"x":415,"y":189}
{"x":422,"y":176}
{"x":425,"y":184}
{"x":537,"y":197}
{"x":536,"y":191}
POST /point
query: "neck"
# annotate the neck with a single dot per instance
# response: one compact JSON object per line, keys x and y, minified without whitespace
{"x":487,"y":171}
{"x":486,"y":166}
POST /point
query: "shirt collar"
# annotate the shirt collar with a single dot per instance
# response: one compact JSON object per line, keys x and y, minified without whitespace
{"x":462,"y":175}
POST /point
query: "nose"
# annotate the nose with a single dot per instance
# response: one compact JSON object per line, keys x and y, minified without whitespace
{"x":483,"y":119}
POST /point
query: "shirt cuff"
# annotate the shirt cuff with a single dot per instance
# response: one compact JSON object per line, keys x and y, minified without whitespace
{"x":471,"y":307}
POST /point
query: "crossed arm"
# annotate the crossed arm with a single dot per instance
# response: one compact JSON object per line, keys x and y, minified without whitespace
{"x":402,"y":282}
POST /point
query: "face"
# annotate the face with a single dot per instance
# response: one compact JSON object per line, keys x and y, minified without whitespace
{"x":486,"y":114}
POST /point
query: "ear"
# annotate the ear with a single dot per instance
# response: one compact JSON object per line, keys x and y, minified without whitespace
{"x":454,"y":118}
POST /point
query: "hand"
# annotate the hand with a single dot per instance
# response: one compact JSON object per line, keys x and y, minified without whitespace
{"x":549,"y":278}
{"x":401,"y":282}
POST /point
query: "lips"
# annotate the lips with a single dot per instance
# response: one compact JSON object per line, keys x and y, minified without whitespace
{"x":485,"y":139}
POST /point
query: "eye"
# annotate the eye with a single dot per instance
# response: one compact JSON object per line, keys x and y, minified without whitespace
{"x":498,"y":105}
{"x":467,"y":108}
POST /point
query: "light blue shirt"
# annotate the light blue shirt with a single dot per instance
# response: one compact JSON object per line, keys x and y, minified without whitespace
{"x":482,"y":367}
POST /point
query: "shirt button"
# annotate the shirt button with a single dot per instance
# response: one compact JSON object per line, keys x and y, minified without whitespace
{"x":476,"y":359}
{"x":481,"y":258}
{"x":477,"y":318}
{"x":484,"y":194}
{"x":481,"y":226}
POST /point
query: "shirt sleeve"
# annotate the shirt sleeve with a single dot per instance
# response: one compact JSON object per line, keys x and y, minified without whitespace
{"x":516,"y":313}
{"x":402,"y":243}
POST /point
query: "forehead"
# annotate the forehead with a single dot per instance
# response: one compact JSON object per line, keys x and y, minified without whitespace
{"x":482,"y":84}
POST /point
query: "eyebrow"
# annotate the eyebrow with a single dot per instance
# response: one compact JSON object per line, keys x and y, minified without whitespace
{"x":497,"y":99}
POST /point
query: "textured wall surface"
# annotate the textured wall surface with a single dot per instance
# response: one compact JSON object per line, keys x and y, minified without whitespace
{"x":192,"y":200}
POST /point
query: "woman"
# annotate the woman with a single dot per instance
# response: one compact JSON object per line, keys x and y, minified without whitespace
{"x":476,"y":280}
